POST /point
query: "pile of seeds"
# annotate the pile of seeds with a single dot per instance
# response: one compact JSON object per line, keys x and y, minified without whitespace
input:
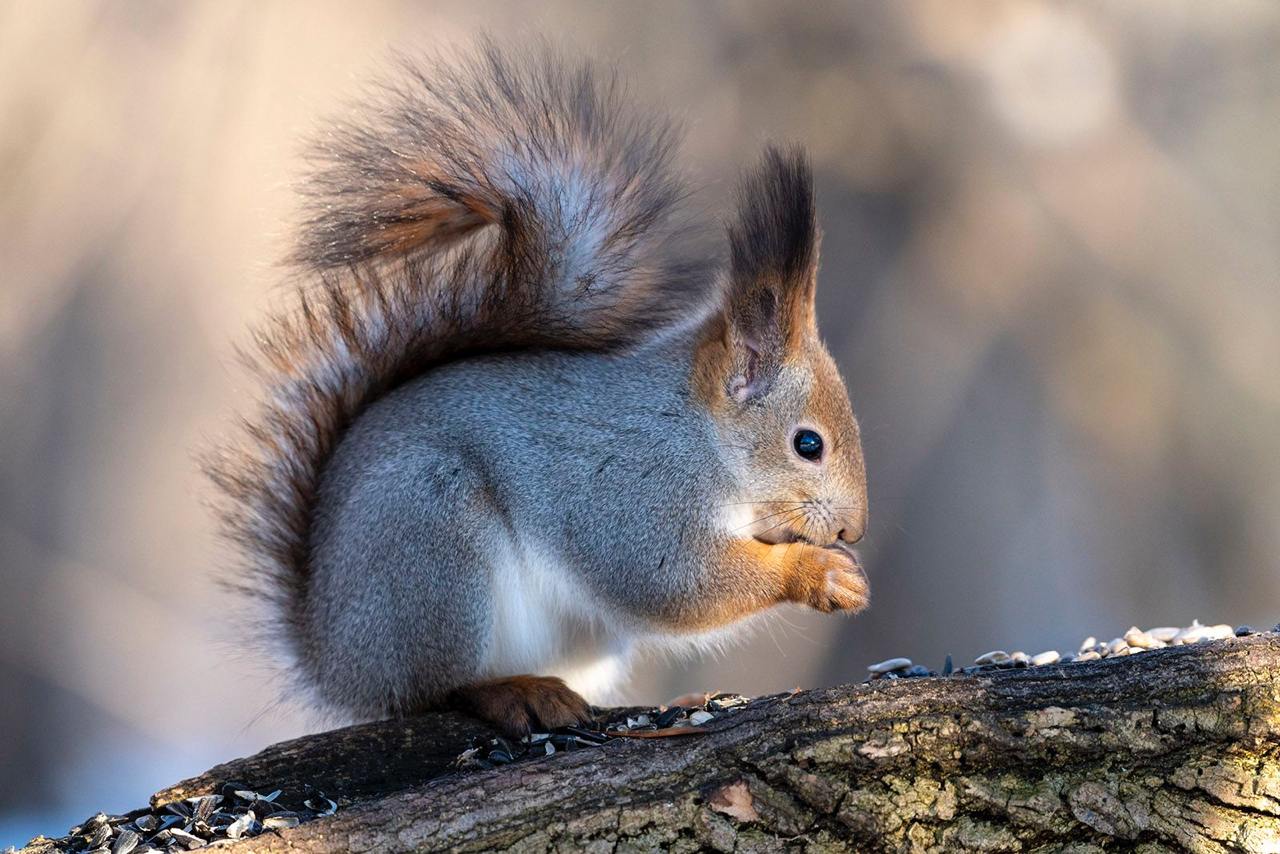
{"x":654,"y":723}
{"x":1135,"y":640}
{"x":211,"y":820}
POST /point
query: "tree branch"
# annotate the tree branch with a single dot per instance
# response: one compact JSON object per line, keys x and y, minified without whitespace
{"x":1178,"y":749}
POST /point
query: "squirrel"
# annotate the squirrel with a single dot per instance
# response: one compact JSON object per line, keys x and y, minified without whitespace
{"x":520,"y":423}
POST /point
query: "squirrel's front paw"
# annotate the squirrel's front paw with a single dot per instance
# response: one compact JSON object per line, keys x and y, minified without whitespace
{"x":833,"y":580}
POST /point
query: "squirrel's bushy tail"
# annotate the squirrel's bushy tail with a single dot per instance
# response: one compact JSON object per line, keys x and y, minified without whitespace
{"x":489,"y":204}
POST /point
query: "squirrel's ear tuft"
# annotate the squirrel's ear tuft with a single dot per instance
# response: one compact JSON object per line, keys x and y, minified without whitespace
{"x":773,"y":262}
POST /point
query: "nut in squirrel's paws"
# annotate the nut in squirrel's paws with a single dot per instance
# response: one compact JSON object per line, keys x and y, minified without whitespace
{"x":518,"y":704}
{"x":841,"y":583}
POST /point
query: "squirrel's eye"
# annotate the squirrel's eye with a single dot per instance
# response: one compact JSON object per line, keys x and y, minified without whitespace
{"x":808,"y":444}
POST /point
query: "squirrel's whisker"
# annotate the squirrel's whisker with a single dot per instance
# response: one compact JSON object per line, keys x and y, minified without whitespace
{"x":765,"y":518}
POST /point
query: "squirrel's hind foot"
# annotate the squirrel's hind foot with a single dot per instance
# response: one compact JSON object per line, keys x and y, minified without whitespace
{"x":518,"y":704}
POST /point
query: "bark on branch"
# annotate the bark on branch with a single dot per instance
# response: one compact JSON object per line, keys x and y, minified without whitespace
{"x":1175,"y":749}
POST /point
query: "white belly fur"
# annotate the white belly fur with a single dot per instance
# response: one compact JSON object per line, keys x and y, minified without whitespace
{"x":546,"y":624}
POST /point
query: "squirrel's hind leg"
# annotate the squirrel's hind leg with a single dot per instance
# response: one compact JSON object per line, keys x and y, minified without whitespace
{"x":519,"y":704}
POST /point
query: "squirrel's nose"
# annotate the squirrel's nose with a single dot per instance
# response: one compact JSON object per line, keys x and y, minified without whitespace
{"x":853,"y":532}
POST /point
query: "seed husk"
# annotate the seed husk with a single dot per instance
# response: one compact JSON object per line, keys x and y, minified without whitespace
{"x":321,"y":806}
{"x":889,"y":665}
{"x":667,"y":718}
{"x":241,"y":825}
{"x":183,"y":838}
{"x":204,"y":807}
{"x":280,"y":822}
{"x":125,"y":842}
{"x":100,"y":834}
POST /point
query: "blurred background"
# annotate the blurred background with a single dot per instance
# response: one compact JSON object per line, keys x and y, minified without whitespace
{"x":1051,"y":277}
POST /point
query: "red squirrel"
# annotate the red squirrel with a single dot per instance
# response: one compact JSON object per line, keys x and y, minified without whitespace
{"x":521,"y":423}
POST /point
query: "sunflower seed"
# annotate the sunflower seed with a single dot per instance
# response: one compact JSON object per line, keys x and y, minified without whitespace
{"x":186,"y":840}
{"x":1089,"y":645}
{"x":101,"y":833}
{"x":667,"y":718}
{"x":125,"y":842}
{"x":1136,"y":637}
{"x":889,"y":665}
{"x":725,"y":702}
{"x":146,"y":823}
{"x":280,"y":822}
{"x":241,"y":826}
{"x":1020,"y":658}
{"x":1088,"y":656}
{"x":1049,"y":656}
{"x":1115,"y":646}
{"x":321,"y":806}
{"x":204,"y":807}
{"x":587,"y":736}
{"x":1196,"y":632}
{"x":996,"y":656}
{"x":699,"y":718}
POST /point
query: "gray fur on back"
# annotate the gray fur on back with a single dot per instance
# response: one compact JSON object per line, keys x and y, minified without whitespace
{"x":419,"y":504}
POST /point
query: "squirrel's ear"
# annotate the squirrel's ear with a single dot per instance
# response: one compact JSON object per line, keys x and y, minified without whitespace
{"x":773,"y":263}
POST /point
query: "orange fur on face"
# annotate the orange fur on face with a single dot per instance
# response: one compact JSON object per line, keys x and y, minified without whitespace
{"x":712,"y":366}
{"x":762,"y":373}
